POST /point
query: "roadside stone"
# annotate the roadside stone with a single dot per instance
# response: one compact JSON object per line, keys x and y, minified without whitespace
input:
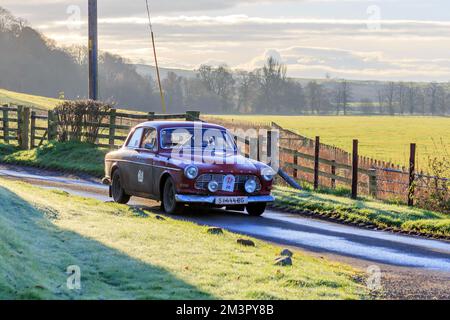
{"x":283,"y":261}
{"x":215,"y":231}
{"x":246,"y":243}
{"x":287,"y":253}
{"x":160,"y":218}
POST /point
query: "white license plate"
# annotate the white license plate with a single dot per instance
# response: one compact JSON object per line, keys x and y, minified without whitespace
{"x":231,"y":201}
{"x":228,"y":183}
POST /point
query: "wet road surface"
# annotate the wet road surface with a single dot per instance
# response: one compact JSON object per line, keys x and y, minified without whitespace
{"x":322,"y":238}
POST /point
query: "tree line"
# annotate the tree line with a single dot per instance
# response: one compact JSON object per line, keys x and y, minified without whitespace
{"x":269,"y":91}
{"x":32,"y":63}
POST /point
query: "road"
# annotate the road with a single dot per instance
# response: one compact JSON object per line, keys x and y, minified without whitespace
{"x":404,"y":259}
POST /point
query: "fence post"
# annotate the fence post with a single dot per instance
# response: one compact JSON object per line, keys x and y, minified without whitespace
{"x":254,"y":148}
{"x":333,"y":173}
{"x":33,"y":130}
{"x":355,"y":165}
{"x":373,"y":188}
{"x":412,"y":174}
{"x":260,"y":142}
{"x":247,"y":143}
{"x":273,"y":149}
{"x":52,"y":126}
{"x":19,"y":125}
{"x":269,"y":145}
{"x":24,"y":114}
{"x":6,"y":125}
{"x":316,"y":163}
{"x":112,"y":128}
{"x":295,"y":169}
{"x":192,"y":116}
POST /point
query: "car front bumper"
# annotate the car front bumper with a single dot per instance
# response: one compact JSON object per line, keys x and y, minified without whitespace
{"x":212,"y":199}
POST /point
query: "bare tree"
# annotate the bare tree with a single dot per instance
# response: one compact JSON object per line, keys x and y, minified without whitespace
{"x":390,"y":97}
{"x":433,"y":96}
{"x":381,"y":99}
{"x":342,"y":96}
{"x":246,"y":91}
{"x":219,"y":81}
{"x":173,"y":91}
{"x":412,"y":97}
{"x":401,"y":97}
{"x":316,"y":97}
{"x":272,"y":78}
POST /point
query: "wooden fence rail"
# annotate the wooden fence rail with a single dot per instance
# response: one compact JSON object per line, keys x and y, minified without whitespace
{"x":9,"y":119}
{"x":29,"y":129}
{"x":300,"y":158}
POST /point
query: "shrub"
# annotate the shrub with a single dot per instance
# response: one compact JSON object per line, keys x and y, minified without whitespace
{"x":79,"y":120}
{"x":437,"y":186}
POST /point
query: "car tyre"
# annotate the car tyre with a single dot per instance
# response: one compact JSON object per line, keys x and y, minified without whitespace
{"x":169,"y":203}
{"x":256,"y":209}
{"x":118,"y":192}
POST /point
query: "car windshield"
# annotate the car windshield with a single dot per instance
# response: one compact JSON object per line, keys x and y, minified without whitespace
{"x":214,"y":139}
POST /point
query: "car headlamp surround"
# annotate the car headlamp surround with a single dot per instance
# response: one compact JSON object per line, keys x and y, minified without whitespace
{"x":251,"y":185}
{"x":213,"y":186}
{"x":268,"y":174}
{"x":191,"y":172}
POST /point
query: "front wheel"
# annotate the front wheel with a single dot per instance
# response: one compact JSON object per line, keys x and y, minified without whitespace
{"x":256,"y":209}
{"x":169,"y":203}
{"x":118,"y":192}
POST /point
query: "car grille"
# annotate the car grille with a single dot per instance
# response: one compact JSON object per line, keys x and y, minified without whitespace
{"x":203,"y":180}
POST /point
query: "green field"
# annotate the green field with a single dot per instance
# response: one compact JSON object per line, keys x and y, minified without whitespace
{"x":381,"y":137}
{"x":38,"y":102}
{"x":126,"y":253}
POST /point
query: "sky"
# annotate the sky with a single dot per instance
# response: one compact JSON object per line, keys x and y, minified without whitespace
{"x":407,"y":40}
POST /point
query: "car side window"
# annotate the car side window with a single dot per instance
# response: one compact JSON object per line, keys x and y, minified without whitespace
{"x":135,"y":140}
{"x":149,"y":141}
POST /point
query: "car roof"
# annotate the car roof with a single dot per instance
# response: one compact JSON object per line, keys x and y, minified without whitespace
{"x":178,"y":124}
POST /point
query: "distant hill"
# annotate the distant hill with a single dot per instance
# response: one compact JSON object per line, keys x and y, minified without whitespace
{"x":147,"y":71}
{"x":31,"y":63}
{"x":361,"y":89}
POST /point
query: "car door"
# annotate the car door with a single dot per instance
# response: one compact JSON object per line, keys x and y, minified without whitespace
{"x":130,"y":165}
{"x":146,"y":155}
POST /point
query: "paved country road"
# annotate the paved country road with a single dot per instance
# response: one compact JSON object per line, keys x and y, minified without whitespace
{"x":413,"y":267}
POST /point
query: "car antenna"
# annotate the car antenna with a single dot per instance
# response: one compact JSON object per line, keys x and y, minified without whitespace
{"x":163,"y":102}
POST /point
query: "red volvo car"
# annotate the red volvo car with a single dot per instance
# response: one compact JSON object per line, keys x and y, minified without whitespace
{"x":187,"y":163}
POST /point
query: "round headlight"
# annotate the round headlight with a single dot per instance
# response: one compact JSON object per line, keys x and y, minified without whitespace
{"x":191,"y":172}
{"x":213,"y":186}
{"x":250,"y":186}
{"x":268,"y":174}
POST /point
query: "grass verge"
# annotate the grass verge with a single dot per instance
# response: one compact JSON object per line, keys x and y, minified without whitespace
{"x":70,"y":156}
{"x":125,"y":253}
{"x":364,"y":211}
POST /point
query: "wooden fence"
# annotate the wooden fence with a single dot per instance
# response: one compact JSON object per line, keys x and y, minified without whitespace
{"x":301,"y":158}
{"x":9,"y":120}
{"x":30,"y":129}
{"x":327,"y":166}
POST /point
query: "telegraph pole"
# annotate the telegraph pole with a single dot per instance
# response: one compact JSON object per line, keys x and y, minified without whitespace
{"x":93,"y":50}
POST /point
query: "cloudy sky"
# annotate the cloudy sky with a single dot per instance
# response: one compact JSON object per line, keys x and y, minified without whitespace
{"x":356,"y":39}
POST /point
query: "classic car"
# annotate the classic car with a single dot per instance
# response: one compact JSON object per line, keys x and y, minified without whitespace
{"x":187,"y":164}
